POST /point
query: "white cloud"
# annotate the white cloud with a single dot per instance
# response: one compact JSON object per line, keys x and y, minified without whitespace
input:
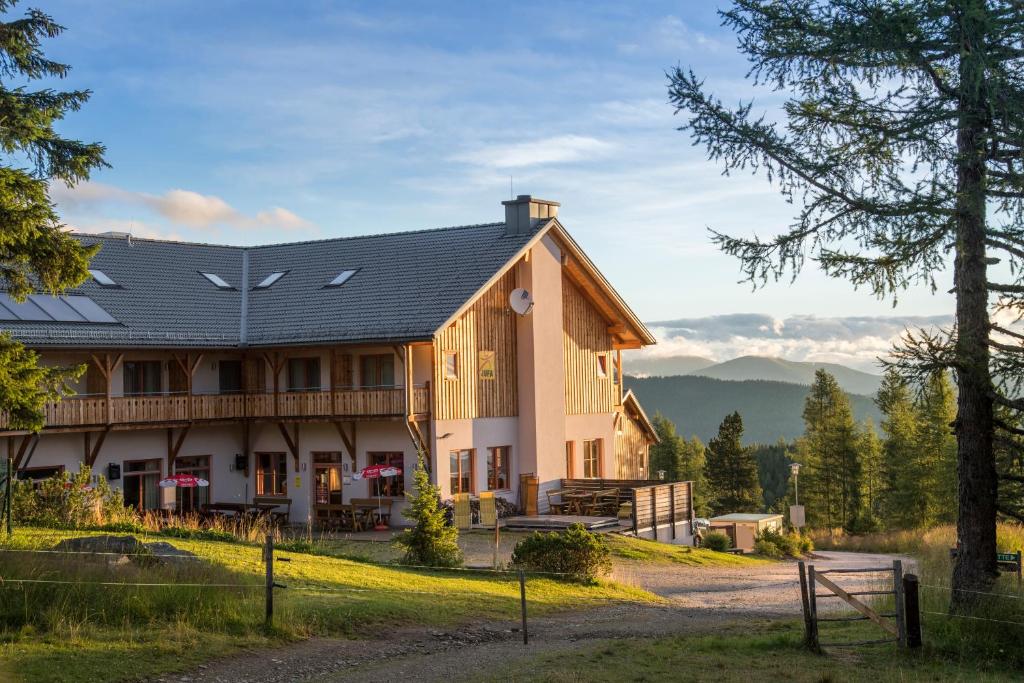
{"x":559,"y":149}
{"x":180,"y":207}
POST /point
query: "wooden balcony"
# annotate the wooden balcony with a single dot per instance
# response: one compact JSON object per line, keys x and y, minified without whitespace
{"x":91,"y":411}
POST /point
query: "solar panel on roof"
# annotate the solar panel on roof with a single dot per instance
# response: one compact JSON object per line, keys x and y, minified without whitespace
{"x":89,"y":309}
{"x":26,"y":310}
{"x":216,"y":280}
{"x":56,"y":309}
{"x":6,"y":314}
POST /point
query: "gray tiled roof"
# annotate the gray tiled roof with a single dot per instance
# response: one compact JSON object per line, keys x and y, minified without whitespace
{"x":406,"y":286}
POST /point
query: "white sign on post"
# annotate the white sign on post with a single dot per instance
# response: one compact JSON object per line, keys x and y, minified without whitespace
{"x":796,"y":515}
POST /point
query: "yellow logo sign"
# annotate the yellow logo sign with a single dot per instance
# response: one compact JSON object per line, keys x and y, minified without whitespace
{"x":487,"y":365}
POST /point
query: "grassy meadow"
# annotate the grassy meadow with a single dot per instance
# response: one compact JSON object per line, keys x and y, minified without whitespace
{"x":87,"y":631}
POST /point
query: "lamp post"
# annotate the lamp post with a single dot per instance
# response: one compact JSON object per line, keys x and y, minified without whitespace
{"x":794,"y":469}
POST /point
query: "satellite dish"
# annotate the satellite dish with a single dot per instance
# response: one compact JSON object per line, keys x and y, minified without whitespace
{"x":521,"y":301}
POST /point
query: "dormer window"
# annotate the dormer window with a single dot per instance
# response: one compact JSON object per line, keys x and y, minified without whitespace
{"x":269,"y":280}
{"x":102,"y":279}
{"x":342,"y":278}
{"x":217,"y":280}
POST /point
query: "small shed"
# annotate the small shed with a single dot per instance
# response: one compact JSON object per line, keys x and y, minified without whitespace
{"x":742,"y":528}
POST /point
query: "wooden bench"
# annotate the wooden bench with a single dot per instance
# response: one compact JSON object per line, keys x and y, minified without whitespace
{"x":270,"y":505}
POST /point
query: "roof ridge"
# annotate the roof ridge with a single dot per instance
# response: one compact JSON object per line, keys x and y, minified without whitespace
{"x":254,"y":247}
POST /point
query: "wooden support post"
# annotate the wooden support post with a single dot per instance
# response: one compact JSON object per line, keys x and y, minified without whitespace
{"x":291,"y":441}
{"x":897,"y":588}
{"x":94,"y":452}
{"x":912,"y":611}
{"x":672,"y":508}
{"x":7,"y":496}
{"x":654,"y":511}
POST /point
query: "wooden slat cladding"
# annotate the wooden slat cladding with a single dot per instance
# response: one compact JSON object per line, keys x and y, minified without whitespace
{"x":586,"y":337}
{"x":631,"y":448}
{"x":488,"y":325}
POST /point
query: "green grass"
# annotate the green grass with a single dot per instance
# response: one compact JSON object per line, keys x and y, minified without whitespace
{"x":754,"y":652}
{"x":641,"y":550}
{"x":52,"y":632}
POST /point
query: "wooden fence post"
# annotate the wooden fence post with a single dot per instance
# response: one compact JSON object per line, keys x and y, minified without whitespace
{"x":812,"y":609}
{"x":805,"y":604}
{"x":912,"y":611}
{"x":8,"y":490}
{"x":268,"y":556}
{"x":522,"y":600}
{"x":897,"y":589}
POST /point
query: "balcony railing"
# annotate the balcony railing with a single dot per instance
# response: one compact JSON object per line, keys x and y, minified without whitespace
{"x":81,"y":411}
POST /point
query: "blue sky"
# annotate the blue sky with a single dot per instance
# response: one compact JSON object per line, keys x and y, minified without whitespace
{"x":248,"y":122}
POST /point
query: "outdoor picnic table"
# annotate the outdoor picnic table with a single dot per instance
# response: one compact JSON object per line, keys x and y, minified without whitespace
{"x":576,"y":499}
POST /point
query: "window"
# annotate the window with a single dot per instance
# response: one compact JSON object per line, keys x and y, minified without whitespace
{"x":230,"y":375}
{"x":498,"y":468}
{"x":37,"y":475}
{"x":142,"y":484}
{"x":101,"y":278}
{"x":217,"y":280}
{"x":451,"y":365}
{"x":271,"y":474}
{"x":602,"y":365}
{"x":377,"y":371}
{"x":143,"y":377}
{"x":303,"y":374}
{"x":570,"y":460}
{"x":327,"y":478}
{"x":194,"y":498}
{"x":269,"y":280}
{"x":342,"y":278}
{"x":462,"y":471}
{"x":388,"y":486}
{"x":592,"y":459}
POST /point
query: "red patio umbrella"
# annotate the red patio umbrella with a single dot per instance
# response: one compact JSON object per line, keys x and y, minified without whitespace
{"x":376,"y":472}
{"x":185,"y":481}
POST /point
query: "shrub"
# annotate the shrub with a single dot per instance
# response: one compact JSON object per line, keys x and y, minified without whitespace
{"x":577,"y":552}
{"x":70,"y":501}
{"x":431,"y":541}
{"x":767,"y":548}
{"x":716,"y":541}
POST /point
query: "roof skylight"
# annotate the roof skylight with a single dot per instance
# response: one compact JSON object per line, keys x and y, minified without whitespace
{"x":101,"y":278}
{"x":271,"y":279}
{"x":46,"y":308}
{"x":217,"y":280}
{"x":342,"y":278}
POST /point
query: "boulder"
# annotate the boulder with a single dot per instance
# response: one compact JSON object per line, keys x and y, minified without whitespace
{"x":120,"y":549}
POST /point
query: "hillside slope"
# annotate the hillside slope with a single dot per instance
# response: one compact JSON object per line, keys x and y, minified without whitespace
{"x":780,"y":370}
{"x":697,"y":405}
{"x":642,"y":366}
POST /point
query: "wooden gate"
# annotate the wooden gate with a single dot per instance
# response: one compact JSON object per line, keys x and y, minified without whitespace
{"x":894,"y":624}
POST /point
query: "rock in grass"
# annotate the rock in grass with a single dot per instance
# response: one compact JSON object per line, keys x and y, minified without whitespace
{"x":121,"y":549}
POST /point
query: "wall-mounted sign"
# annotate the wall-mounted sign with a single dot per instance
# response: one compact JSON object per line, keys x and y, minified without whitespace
{"x":486,"y":364}
{"x":298,"y":482}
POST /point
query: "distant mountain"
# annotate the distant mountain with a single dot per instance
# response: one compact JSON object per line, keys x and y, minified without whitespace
{"x":666,"y":367}
{"x":697,"y":405}
{"x":780,"y":370}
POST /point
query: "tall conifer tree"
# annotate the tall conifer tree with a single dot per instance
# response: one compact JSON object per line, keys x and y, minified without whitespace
{"x":35,"y":253}
{"x":904,"y":503}
{"x":902,"y":147}
{"x":730,"y":471}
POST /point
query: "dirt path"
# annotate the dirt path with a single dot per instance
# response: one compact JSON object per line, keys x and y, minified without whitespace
{"x":701,"y":600}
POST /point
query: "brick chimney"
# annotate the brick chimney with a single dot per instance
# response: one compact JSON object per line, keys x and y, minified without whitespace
{"x":521,"y":212}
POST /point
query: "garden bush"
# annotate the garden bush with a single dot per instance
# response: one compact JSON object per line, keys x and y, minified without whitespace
{"x":70,"y":501}
{"x":767,"y":548}
{"x":577,"y":552}
{"x":716,"y":541}
{"x":771,"y":543}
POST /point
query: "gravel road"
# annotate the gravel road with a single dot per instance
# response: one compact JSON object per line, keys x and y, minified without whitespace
{"x":701,"y":599}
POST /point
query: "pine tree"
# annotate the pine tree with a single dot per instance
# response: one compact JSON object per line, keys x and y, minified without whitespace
{"x":869,"y":447}
{"x":901,"y":148}
{"x":666,"y":455}
{"x":904,"y":503}
{"x":832,"y":481}
{"x":936,"y":408}
{"x":35,"y":253}
{"x":431,"y":541}
{"x":730,"y":471}
{"x":694,"y":459}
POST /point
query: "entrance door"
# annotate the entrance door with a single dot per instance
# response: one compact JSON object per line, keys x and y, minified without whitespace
{"x":327,"y":490}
